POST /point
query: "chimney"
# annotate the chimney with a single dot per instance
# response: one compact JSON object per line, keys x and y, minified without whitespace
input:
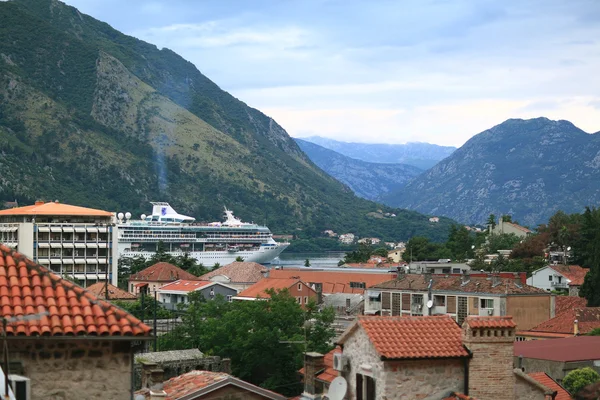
{"x":158,"y":393}
{"x":313,"y":363}
{"x":465,"y":277}
{"x":152,"y":374}
{"x":496,"y":280}
{"x":39,"y":202}
{"x":491,"y":341}
{"x":576,"y":328}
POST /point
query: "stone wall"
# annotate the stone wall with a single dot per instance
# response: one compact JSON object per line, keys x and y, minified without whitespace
{"x":491,"y":368}
{"x":361,"y":352}
{"x":527,"y":390}
{"x":173,"y":368}
{"x":75,"y":369}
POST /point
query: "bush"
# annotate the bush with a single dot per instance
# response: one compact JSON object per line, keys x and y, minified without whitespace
{"x":580,"y":378}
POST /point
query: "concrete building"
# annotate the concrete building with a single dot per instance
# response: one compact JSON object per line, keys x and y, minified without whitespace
{"x":71,"y":241}
{"x":567,"y":278}
{"x":156,"y":276}
{"x":347,"y":238}
{"x":239,"y":275}
{"x":296,"y":288}
{"x":461,"y":296}
{"x":175,"y":293}
{"x":557,"y":357}
{"x":437,"y":267}
{"x":509,"y":227}
{"x":73,"y":346}
{"x":425,"y":358}
{"x":396,"y":255}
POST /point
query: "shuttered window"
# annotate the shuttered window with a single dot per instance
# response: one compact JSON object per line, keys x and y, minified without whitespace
{"x":451,"y":304}
{"x":406,"y":301}
{"x":359,"y":387}
{"x":385,"y":300}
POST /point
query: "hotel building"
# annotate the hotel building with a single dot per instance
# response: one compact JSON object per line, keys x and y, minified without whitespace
{"x":74,"y":242}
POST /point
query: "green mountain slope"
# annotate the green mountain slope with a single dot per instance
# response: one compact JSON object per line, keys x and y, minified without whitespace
{"x":368,"y":180}
{"x":94,"y":117}
{"x":526,"y":168}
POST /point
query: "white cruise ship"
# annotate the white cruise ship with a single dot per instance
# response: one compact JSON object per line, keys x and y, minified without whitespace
{"x":217,"y":242}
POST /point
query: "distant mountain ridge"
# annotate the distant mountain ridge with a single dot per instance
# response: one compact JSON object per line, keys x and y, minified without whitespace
{"x":367,"y":180}
{"x":420,"y":155}
{"x":526,"y":168}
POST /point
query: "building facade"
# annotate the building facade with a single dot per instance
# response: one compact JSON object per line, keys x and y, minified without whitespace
{"x":75,"y":242}
{"x":156,"y":276}
{"x":565,"y":278}
{"x":175,"y":293}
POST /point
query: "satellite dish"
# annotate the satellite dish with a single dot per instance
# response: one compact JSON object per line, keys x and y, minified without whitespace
{"x":143,"y":217}
{"x":337,"y":389}
{"x":120,"y":216}
{"x":569,"y":248}
{"x":127,"y":215}
{"x":429,"y":303}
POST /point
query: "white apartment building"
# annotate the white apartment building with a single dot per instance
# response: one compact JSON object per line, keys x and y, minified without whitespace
{"x":70,"y":241}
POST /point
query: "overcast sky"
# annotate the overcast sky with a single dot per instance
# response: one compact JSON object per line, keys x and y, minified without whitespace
{"x":384,"y":71}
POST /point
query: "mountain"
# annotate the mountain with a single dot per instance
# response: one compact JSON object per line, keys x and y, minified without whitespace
{"x":526,"y":168}
{"x":93,"y":117}
{"x":420,"y":155}
{"x":367,"y":180}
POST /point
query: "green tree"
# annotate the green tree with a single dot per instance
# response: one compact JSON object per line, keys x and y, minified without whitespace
{"x":460,"y":243}
{"x":216,"y":266}
{"x":577,"y":379}
{"x":590,"y":255}
{"x":507,"y":218}
{"x":307,"y":263}
{"x":491,"y":221}
{"x":503,"y":241}
{"x":594,"y":332}
{"x":239,"y":259}
{"x":381,"y":251}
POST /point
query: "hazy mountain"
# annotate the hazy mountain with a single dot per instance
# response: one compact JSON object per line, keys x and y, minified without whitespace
{"x":420,"y":155}
{"x":526,"y":168}
{"x":367,"y":180}
{"x":93,"y":117}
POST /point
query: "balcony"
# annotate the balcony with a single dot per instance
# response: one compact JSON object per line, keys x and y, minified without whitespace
{"x":559,"y":285}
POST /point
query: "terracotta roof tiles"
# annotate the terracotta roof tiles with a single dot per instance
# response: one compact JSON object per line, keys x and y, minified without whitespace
{"x":61,"y":308}
{"x":574,"y":273}
{"x":52,"y":208}
{"x":566,"y":303}
{"x":333,"y":281}
{"x":259,"y":288}
{"x":184,"y":285}
{"x":239,"y":272}
{"x":588,"y":319}
{"x":490,"y":322}
{"x":412,"y":337}
{"x":114,"y":293}
{"x":162,"y":272}
{"x":544,"y":379}
{"x":578,"y":348}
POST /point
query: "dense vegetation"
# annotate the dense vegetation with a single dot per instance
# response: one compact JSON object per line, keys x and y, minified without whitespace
{"x":264,"y":339}
{"x":577,"y":379}
{"x":93,"y":117}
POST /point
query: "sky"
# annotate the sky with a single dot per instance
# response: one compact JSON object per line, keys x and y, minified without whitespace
{"x":383,"y":71}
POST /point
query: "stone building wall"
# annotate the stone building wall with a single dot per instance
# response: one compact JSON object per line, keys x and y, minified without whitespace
{"x":75,"y":369}
{"x":491,"y":368}
{"x":426,"y":379}
{"x":360,"y":351}
{"x":527,"y":391}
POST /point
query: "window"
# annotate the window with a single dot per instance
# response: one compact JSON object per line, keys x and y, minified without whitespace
{"x":550,"y":278}
{"x":445,"y":270}
{"x":358,"y":285}
{"x":299,"y":300}
{"x":365,"y":387}
{"x":487,"y":303}
{"x":229,"y":298}
{"x":300,"y":286}
{"x":439,"y":301}
{"x":305,"y":299}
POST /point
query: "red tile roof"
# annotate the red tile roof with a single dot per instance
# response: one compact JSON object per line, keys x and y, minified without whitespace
{"x":333,"y":281}
{"x":544,"y":379}
{"x":574,"y":273}
{"x":260,"y":287}
{"x":459,"y":396}
{"x":565,"y":303}
{"x":184,"y":285}
{"x":114,"y":293}
{"x":412,"y":337}
{"x":52,"y":208}
{"x":442,"y":283}
{"x":162,"y":272}
{"x":66,"y":309}
{"x":519,"y":227}
{"x":578,"y":348}
{"x":239,"y":272}
{"x":490,"y":322}
{"x":328,"y":374}
{"x":588,"y":319}
{"x":204,"y":382}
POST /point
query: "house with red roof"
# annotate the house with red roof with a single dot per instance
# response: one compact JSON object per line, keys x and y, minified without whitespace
{"x":175,"y":293}
{"x":66,"y":341}
{"x":572,"y":322}
{"x":296,"y":288}
{"x":207,"y":385}
{"x":240,"y":274}
{"x":156,"y":276}
{"x":567,"y":278}
{"x":425,"y":357}
{"x":110,"y":292}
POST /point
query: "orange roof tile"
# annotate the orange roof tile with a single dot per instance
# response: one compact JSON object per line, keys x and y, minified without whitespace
{"x":114,"y":293}
{"x":333,"y":281}
{"x":66,"y":309}
{"x":566,"y":303}
{"x":52,"y":208}
{"x":412,"y":337}
{"x":544,"y":379}
{"x":588,"y":319}
{"x":239,"y":272}
{"x":162,"y":272}
{"x":184,"y":285}
{"x":490,"y":322}
{"x":574,"y":273}
{"x":203,"y":382}
{"x":260,"y":287}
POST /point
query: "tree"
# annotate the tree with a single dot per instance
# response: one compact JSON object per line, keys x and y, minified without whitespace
{"x":590,"y":255}
{"x":460,"y":243}
{"x":577,"y":379}
{"x":594,"y":332}
{"x":503,"y":241}
{"x":216,"y":266}
{"x":491,"y":221}
{"x":239,"y":259}
{"x":507,"y":218}
{"x":307,"y":263}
